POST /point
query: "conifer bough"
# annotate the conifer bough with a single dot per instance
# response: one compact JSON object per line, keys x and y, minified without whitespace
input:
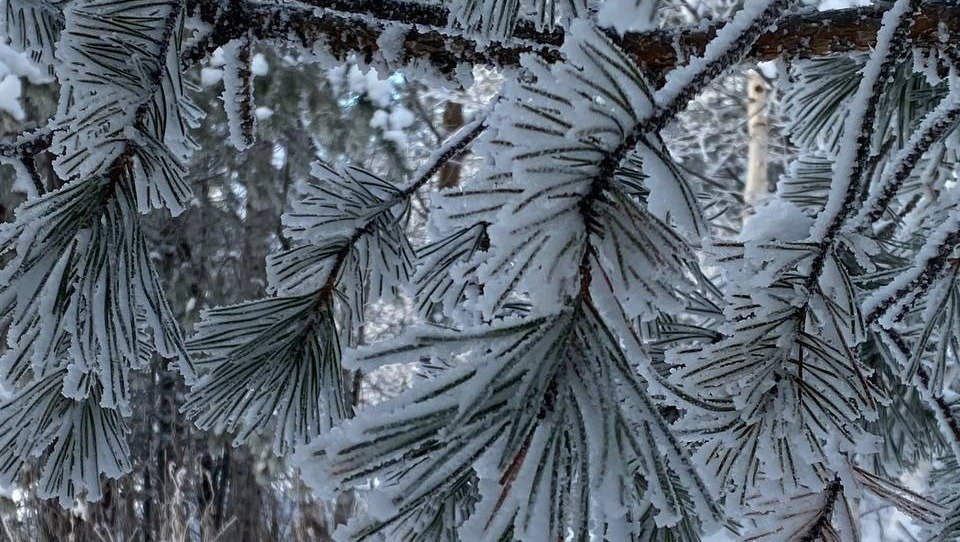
{"x":604,"y":359}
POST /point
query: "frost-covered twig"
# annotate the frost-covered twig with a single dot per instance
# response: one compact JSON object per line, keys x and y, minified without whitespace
{"x":912,"y":284}
{"x":920,"y":380}
{"x":452,"y":147}
{"x":934,"y":126}
{"x":28,"y":143}
{"x":238,"y":92}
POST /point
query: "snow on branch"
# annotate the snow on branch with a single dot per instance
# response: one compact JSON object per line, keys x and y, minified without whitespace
{"x":512,"y":412}
{"x":946,"y":416}
{"x":936,"y":125}
{"x":33,"y":26}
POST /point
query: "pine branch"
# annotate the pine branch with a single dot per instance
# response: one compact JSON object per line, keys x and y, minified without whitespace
{"x":854,"y":152}
{"x":80,"y":277}
{"x":347,"y":28}
{"x":285,"y":350}
{"x":940,"y":407}
{"x":794,"y":345}
{"x":936,"y":125}
{"x":933,"y":257}
{"x":76,"y":159}
{"x":913,"y":283}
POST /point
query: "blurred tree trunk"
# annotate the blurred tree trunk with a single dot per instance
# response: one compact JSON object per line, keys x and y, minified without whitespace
{"x":756,"y":187}
{"x":452,"y":121}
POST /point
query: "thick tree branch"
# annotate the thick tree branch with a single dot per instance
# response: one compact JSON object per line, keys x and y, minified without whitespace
{"x":346,"y":27}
